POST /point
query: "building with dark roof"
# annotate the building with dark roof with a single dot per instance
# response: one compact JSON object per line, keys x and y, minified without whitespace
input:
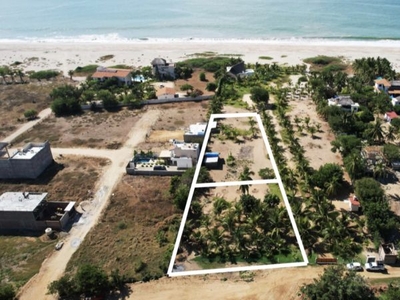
{"x":239,"y":70}
{"x":162,"y":69}
{"x":345,"y":102}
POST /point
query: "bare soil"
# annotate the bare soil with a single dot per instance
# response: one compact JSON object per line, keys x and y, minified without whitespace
{"x":15,"y":99}
{"x":268,"y":284}
{"x":90,"y":129}
{"x":70,"y":178}
{"x":140,"y":209}
{"x":196,"y":82}
{"x":174,"y":120}
{"x":248,"y":151}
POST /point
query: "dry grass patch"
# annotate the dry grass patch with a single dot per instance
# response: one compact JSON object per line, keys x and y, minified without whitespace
{"x":90,"y":129}
{"x":136,"y":232}
{"x":68,"y":179}
{"x":15,"y":99}
{"x":21,"y":257}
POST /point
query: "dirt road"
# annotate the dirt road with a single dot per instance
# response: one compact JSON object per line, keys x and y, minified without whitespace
{"x":54,"y":266}
{"x":270,"y":285}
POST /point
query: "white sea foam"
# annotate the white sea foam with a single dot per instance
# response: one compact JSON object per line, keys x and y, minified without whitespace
{"x":115,"y":38}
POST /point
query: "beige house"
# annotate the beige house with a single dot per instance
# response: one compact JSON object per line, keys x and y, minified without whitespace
{"x":123,"y":75}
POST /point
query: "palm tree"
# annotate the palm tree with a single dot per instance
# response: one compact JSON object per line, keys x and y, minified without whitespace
{"x":377,"y":132}
{"x":379,"y":170}
{"x":391,"y":134}
{"x":253,"y":128}
{"x":245,"y":175}
{"x":3,"y":73}
{"x":312,"y":130}
{"x":70,"y":74}
{"x":21,"y":75}
{"x":307,"y":121}
{"x":220,"y":204}
{"x":332,"y":186}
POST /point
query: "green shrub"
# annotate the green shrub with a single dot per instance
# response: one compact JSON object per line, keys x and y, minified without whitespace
{"x":45,"y":74}
{"x":30,"y":114}
{"x":202,"y":76}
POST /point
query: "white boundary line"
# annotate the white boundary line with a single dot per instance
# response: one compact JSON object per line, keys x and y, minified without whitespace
{"x":194,"y":185}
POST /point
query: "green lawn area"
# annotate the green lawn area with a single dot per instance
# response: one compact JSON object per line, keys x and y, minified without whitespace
{"x":214,"y":263}
{"x":21,"y":257}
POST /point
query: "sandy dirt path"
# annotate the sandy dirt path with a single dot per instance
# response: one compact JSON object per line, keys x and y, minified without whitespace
{"x":270,"y":285}
{"x":41,"y":116}
{"x":53,"y":267}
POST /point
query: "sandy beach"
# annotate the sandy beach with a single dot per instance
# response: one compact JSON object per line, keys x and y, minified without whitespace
{"x":65,"y":56}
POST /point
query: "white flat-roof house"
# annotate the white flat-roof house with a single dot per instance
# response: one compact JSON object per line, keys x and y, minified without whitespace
{"x":182,"y":155}
{"x":162,"y":69}
{"x":31,"y":211}
{"x":123,"y":75}
{"x":28,"y":162}
{"x":195,"y":133}
{"x":345,"y":102}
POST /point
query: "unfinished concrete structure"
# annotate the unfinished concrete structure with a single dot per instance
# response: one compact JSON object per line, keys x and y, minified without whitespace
{"x":388,"y":253}
{"x":28,"y":162}
{"x":31,"y":211}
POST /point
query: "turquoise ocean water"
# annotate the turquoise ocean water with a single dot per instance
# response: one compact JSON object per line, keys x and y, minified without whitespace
{"x":125,"y":21}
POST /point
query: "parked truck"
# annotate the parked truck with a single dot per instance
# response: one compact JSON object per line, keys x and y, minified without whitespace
{"x":374,"y":265}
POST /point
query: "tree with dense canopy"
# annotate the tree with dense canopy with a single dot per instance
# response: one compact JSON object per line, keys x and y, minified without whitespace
{"x":259,"y":95}
{"x":337,"y":283}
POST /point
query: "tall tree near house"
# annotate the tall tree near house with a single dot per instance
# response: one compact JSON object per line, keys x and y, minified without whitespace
{"x":377,"y":133}
{"x":20,"y":74}
{"x":354,"y":165}
{"x":70,"y":74}
{"x":337,"y":283}
{"x":245,"y":175}
{"x":3,"y":73}
{"x":391,"y":134}
{"x":11,"y":72}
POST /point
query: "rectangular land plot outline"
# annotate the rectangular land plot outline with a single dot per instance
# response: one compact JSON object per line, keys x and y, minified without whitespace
{"x":194,"y":185}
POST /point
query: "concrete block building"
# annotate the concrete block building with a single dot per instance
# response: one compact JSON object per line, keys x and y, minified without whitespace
{"x":31,"y":211}
{"x":26,"y":163}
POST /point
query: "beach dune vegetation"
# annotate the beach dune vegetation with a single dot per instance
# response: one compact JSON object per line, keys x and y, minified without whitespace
{"x":85,"y":70}
{"x":44,"y":74}
{"x":265,"y":57}
{"x":209,"y":64}
{"x":325,"y":63}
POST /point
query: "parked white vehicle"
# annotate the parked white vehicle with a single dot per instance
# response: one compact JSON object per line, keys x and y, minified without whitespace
{"x":373,"y":265}
{"x":59,"y":245}
{"x":356,"y":266}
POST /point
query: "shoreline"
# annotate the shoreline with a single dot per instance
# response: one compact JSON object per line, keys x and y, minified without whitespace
{"x":65,"y":56}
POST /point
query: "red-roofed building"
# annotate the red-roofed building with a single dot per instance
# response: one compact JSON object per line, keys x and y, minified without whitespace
{"x":123,"y":75}
{"x":390,"y":115}
{"x":354,"y":204}
{"x":166,"y":93}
